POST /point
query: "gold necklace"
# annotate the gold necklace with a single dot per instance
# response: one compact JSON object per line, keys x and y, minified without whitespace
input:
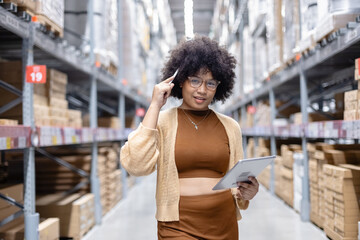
{"x":195,"y":124}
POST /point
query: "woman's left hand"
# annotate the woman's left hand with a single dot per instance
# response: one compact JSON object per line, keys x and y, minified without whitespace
{"x":247,"y":191}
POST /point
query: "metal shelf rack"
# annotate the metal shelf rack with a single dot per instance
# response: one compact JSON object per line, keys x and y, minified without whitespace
{"x":331,"y":62}
{"x":23,"y":40}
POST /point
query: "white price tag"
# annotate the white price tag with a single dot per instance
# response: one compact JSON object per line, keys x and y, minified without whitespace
{"x":2,"y":143}
{"x":22,"y":142}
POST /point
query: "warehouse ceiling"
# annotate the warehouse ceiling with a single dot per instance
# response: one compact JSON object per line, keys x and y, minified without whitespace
{"x":202,"y":16}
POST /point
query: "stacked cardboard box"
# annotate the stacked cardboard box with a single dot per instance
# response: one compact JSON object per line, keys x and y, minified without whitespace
{"x":314,"y":185}
{"x":49,"y":100}
{"x":54,"y":98}
{"x":312,"y":117}
{"x":263,"y":119}
{"x":8,"y":122}
{"x":351,"y":99}
{"x":74,"y":118}
{"x":110,"y":179}
{"x":109,"y":122}
{"x":250,"y":148}
{"x":287,"y":174}
{"x":49,"y":229}
{"x":338,"y":157}
{"x":261,"y":151}
{"x":76,"y":212}
{"x":50,"y":176}
{"x":341,"y":201}
{"x":317,"y":182}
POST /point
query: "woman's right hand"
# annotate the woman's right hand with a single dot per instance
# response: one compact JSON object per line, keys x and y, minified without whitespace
{"x":161,"y":92}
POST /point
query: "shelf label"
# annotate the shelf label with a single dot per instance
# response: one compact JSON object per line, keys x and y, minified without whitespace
{"x":54,"y":140}
{"x":36,"y":74}
{"x":22,"y":142}
{"x":2,"y":143}
{"x":8,"y":143}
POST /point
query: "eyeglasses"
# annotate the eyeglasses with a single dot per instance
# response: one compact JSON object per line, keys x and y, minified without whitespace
{"x":196,"y":82}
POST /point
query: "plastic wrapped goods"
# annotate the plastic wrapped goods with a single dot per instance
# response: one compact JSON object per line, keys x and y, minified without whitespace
{"x":248,"y":63}
{"x":52,"y":9}
{"x":274,"y":34}
{"x":291,"y":30}
{"x":309,"y":19}
{"x":326,"y":7}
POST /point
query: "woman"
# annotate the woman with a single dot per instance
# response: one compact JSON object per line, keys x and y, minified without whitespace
{"x":192,"y":146}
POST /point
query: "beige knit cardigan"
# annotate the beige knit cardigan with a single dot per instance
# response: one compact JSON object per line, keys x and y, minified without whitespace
{"x":148,"y":147}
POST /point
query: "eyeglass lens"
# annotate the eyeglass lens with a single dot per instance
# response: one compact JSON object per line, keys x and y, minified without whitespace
{"x":197,"y":82}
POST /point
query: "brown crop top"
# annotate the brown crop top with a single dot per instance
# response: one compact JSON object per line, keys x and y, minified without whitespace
{"x":204,"y":152}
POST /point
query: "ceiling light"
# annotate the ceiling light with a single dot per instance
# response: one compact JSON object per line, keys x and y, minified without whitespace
{"x":188,"y":18}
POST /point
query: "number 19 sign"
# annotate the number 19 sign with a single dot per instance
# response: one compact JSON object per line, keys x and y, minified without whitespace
{"x":36,"y":74}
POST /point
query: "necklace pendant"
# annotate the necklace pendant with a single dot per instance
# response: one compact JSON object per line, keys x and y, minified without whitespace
{"x":196,"y":127}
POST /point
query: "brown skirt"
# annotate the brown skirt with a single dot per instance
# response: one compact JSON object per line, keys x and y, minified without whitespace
{"x":211,"y":216}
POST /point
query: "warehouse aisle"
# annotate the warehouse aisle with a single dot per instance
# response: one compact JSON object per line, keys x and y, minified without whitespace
{"x":267,"y":218}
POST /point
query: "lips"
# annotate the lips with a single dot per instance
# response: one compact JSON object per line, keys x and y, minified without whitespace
{"x":200,"y":99}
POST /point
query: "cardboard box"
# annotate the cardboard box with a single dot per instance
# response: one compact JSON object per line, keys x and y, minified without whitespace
{"x":351,"y":105}
{"x":58,"y":112}
{"x":76,"y":212}
{"x":9,"y":122}
{"x":14,"y":230}
{"x":342,"y":157}
{"x":350,"y":115}
{"x":58,"y":102}
{"x":109,"y":122}
{"x":74,"y":114}
{"x":351,"y":96}
{"x":287,"y":173}
{"x":16,"y":193}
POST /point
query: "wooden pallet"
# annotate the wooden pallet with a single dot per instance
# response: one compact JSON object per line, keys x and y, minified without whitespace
{"x":49,"y":26}
{"x":112,"y":69}
{"x":277,"y":70}
{"x":290,"y":61}
{"x":26,"y":9}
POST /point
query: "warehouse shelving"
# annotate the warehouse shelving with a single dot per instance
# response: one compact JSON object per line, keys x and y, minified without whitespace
{"x":60,"y":54}
{"x":314,"y":130}
{"x":24,"y":40}
{"x":20,"y":137}
{"x":322,"y":70}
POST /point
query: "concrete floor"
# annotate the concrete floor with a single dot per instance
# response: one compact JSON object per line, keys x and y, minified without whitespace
{"x":267,"y":218}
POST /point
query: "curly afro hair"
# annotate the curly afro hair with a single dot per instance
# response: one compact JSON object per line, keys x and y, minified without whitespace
{"x":201,"y":53}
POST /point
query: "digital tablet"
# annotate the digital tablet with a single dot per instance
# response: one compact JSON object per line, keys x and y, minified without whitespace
{"x":242,"y":170}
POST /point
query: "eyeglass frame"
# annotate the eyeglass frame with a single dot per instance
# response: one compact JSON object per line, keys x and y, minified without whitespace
{"x":202,"y":81}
